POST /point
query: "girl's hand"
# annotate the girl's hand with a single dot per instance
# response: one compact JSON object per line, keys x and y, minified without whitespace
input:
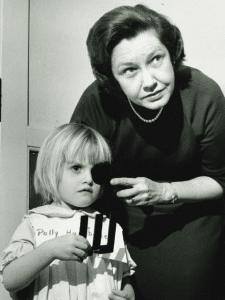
{"x":68,"y":247}
{"x":121,"y":295}
{"x":142,"y":191}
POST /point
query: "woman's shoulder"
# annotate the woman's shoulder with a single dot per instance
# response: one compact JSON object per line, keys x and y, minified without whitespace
{"x":98,"y":109}
{"x":192,"y":79}
{"x":95,"y":97}
{"x":198,"y":91}
{"x":202,"y":98}
{"x":89,"y":97}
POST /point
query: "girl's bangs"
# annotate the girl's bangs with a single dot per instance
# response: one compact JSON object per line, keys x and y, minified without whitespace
{"x":87,"y":149}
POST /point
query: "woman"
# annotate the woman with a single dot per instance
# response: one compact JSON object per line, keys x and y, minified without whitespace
{"x":166,"y":125}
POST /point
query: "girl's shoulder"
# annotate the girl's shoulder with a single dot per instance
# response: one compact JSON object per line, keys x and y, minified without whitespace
{"x":48,"y":211}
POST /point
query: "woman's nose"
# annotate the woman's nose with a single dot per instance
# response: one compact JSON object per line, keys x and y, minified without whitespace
{"x":149,"y":81}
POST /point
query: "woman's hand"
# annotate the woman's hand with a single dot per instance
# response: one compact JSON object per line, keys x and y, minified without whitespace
{"x":68,"y":247}
{"x":142,"y":191}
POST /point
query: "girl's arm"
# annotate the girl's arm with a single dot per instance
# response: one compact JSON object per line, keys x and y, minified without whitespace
{"x":22,"y":271}
{"x":126,"y":293}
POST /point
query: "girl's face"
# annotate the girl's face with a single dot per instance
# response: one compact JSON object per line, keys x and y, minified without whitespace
{"x":142,"y":66}
{"x":77,"y":188}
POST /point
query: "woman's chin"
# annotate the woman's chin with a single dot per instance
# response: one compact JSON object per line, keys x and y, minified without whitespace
{"x":154,"y":105}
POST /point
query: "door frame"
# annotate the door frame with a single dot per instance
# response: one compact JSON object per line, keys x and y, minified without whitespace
{"x":17,"y":137}
{"x":14,"y":171}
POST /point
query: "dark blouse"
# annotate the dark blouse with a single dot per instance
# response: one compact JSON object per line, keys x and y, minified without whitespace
{"x":186,"y":141}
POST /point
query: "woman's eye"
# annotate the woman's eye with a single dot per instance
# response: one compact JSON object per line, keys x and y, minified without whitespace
{"x":129,"y":72}
{"x":157,"y":59}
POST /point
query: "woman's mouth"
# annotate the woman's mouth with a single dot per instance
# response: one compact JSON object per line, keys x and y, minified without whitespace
{"x":153,"y":96}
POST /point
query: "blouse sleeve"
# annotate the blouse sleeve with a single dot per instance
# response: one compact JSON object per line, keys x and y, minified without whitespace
{"x":204,"y":107}
{"x":212,"y":142}
{"x":22,"y":242}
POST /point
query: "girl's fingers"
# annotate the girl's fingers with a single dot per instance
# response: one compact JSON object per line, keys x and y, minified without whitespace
{"x":81,"y":239}
{"x":80,"y":253}
{"x":82,"y":243}
{"x":118,"y":295}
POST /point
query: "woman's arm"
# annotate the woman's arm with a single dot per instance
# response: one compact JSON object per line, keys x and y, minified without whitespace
{"x":22,"y":271}
{"x":143,"y":191}
{"x":197,"y":189}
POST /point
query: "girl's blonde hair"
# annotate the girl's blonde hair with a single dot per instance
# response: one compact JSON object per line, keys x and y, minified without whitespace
{"x":64,"y":144}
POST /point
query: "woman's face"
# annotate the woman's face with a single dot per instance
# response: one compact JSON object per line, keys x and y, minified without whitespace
{"x":142,"y":66}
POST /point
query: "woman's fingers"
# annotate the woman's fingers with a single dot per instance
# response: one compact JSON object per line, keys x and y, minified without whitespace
{"x":135,"y":186}
{"x":126,"y":193}
{"x":125,"y":181}
{"x":142,"y":199}
{"x":138,"y":191}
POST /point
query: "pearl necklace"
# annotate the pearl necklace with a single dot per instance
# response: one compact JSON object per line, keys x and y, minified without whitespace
{"x":142,"y":119}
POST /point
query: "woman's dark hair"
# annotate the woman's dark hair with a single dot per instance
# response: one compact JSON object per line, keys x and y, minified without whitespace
{"x":126,"y":22}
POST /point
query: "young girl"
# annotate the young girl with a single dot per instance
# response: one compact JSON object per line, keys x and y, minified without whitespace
{"x":47,"y":256}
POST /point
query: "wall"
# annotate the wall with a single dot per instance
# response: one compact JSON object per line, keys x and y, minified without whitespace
{"x":14,"y":119}
{"x":59,"y":68}
{"x":0,"y":65}
{"x":3,"y":293}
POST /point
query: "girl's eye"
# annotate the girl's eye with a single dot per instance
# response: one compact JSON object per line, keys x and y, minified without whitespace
{"x":77,"y":168}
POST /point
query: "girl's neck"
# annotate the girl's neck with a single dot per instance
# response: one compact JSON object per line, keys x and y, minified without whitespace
{"x":88,"y":209}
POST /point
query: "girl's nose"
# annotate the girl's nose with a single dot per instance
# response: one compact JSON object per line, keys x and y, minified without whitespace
{"x":88,"y":177}
{"x":149,"y":81}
